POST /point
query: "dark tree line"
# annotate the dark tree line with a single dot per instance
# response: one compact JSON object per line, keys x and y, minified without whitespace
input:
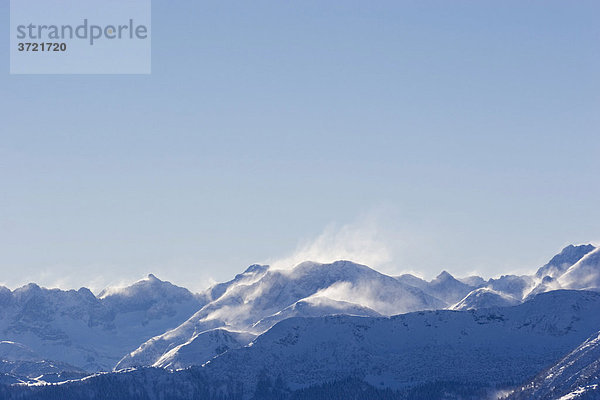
{"x":193,"y":384}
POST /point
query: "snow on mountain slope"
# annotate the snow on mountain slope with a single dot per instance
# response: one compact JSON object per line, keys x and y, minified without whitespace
{"x":77,"y":328}
{"x":503,"y":290}
{"x":444,"y":287}
{"x":314,"y":306}
{"x":150,"y":305}
{"x":547,"y":284}
{"x":475,"y":349}
{"x":561,"y":262}
{"x":250,"y":275}
{"x":13,"y":351}
{"x":258,"y":298}
{"x":30,"y":370}
{"x":203,"y":347}
{"x":243,"y":304}
{"x":484,"y":298}
{"x":144,"y":322}
{"x":22,"y":363}
{"x":584,"y":274}
{"x":494,"y":346}
{"x":473,"y":280}
{"x":547,"y":277}
{"x":577,"y":376}
{"x":412,"y":280}
{"x":512,"y":285}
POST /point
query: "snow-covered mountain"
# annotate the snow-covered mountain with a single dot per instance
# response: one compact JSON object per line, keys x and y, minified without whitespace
{"x":254,"y":304}
{"x":427,"y":354}
{"x":485,"y":298}
{"x":584,"y":274}
{"x":512,"y":285}
{"x":473,"y":291}
{"x":575,"y":267}
{"x":447,"y":288}
{"x":412,"y":280}
{"x":473,"y":280}
{"x":250,"y":275}
{"x":552,"y":276}
{"x":87,"y":332}
{"x":314,"y":306}
{"x":497,"y":345}
{"x":444,"y":287}
{"x":561,"y":262}
{"x":203,"y":347}
{"x":577,"y":376}
{"x":52,"y":333}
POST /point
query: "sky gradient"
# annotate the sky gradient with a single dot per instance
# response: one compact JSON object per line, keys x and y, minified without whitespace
{"x":411,"y":135}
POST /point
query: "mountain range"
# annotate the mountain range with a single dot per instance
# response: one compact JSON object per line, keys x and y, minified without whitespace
{"x":87,"y":332}
{"x":314,"y":329}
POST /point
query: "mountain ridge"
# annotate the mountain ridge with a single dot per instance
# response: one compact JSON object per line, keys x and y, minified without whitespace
{"x":91,"y":333}
{"x":155,"y":323}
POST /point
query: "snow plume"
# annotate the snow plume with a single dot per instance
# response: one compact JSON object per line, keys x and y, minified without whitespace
{"x":362,"y":242}
{"x":373,"y":296}
{"x":345,"y":291}
{"x":123,"y":287}
{"x":584,"y":274}
{"x":229,"y":313}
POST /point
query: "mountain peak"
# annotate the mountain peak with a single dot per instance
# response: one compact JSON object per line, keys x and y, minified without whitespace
{"x":339,"y":264}
{"x":444,"y":275}
{"x":584,"y":274}
{"x":149,"y":287}
{"x":447,"y":288}
{"x":30,"y":287}
{"x":256,"y":268}
{"x":337,"y":270}
{"x":568,"y":256}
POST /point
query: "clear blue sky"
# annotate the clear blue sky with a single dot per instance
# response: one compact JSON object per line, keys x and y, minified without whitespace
{"x":469,"y":129}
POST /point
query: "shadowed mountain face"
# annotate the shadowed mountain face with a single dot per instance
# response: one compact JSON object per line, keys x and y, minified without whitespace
{"x":577,"y":376}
